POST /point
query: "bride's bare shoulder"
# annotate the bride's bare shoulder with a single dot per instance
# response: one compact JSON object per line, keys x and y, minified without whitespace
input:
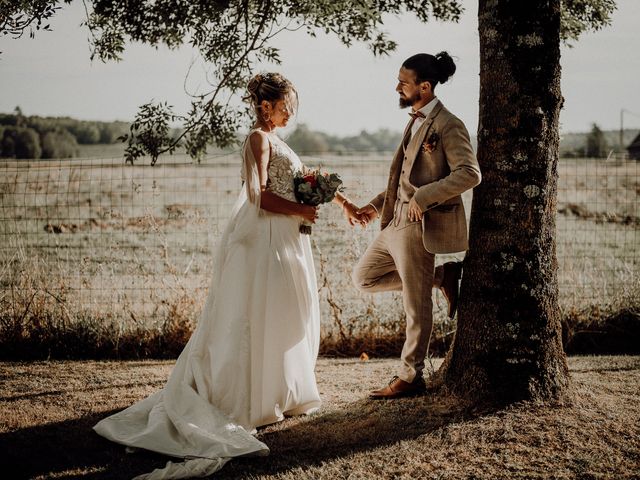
{"x":259,"y":142}
{"x":258,"y":139}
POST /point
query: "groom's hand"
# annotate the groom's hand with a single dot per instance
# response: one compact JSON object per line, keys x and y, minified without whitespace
{"x":350,"y":213}
{"x":367,"y":213}
{"x":414,"y":212}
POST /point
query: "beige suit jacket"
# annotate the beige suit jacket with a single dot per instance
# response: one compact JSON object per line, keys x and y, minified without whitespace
{"x":436,"y":167}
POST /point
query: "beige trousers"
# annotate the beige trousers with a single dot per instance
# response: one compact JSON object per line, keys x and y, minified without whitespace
{"x":397,"y":260}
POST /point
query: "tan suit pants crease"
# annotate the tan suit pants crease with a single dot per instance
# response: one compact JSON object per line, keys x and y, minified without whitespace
{"x":397,"y":260}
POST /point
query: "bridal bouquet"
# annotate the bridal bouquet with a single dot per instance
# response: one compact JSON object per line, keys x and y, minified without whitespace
{"x":314,"y":188}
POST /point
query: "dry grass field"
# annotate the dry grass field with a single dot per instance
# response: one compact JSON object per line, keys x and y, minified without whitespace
{"x":119,"y":256}
{"x":47,"y":410}
{"x":102,"y":260}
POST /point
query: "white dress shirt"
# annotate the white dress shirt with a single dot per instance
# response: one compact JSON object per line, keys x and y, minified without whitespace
{"x":426,"y":110}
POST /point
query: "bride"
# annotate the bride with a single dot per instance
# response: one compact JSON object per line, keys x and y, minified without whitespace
{"x":251,"y":359}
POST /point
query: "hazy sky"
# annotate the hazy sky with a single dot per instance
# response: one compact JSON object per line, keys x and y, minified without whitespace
{"x":342,"y":91}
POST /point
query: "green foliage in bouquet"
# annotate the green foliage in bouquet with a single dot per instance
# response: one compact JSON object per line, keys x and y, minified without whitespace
{"x":315,"y":188}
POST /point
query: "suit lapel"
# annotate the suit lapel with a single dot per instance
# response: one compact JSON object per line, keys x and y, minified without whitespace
{"x":406,"y":135}
{"x":416,"y":141}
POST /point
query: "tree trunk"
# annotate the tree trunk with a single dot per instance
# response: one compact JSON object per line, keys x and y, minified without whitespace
{"x":508,"y":343}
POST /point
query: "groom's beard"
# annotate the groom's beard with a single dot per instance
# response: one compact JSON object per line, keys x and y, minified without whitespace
{"x":409,"y":101}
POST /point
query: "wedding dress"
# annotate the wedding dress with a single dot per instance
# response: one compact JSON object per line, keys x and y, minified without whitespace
{"x":251,"y":358}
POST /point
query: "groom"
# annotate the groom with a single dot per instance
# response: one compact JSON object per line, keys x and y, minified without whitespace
{"x":421,"y":214}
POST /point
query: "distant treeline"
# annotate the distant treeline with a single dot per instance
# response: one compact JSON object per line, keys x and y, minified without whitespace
{"x":58,"y":137}
{"x":595,"y":144}
{"x":36,"y":137}
{"x":306,"y":141}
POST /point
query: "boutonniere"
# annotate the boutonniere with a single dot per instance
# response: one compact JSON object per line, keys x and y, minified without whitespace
{"x":431,"y":143}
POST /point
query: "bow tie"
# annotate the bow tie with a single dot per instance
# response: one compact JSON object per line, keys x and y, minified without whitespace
{"x":417,"y":114}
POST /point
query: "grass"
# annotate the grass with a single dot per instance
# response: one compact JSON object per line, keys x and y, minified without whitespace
{"x":120,"y":256}
{"x":47,"y":410}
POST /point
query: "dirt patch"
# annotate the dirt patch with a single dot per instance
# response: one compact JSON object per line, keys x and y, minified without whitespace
{"x":47,"y":410}
{"x":583,"y":212}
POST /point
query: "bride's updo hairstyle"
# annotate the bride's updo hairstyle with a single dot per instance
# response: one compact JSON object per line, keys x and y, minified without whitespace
{"x":431,"y":68}
{"x":271,"y":87}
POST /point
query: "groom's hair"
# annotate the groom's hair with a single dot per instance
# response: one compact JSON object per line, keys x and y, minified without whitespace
{"x":431,"y":68}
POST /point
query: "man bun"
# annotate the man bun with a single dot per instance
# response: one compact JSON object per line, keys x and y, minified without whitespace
{"x":431,"y":68}
{"x":446,"y":67}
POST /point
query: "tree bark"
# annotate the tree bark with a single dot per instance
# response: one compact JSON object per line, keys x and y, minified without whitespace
{"x":508,"y":343}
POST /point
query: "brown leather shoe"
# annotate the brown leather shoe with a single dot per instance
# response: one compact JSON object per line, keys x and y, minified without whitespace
{"x":451,"y":274}
{"x":399,"y":388}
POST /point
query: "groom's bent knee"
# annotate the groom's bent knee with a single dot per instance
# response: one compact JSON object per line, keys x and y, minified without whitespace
{"x":360,"y":280}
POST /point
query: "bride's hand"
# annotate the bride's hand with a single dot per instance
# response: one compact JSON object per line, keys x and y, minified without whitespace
{"x":350,"y":212}
{"x":309,"y":213}
{"x":367,"y":213}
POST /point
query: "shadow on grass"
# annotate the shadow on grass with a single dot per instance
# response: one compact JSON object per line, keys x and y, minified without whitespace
{"x":71,"y":449}
{"x":30,"y":396}
{"x":361,"y":426}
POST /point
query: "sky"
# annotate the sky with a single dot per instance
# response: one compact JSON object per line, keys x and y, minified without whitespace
{"x":342,"y":90}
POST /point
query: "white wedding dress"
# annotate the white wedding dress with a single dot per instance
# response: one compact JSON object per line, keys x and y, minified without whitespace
{"x":251,"y":358}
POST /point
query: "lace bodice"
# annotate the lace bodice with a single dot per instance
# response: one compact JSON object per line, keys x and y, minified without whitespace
{"x":283,"y":165}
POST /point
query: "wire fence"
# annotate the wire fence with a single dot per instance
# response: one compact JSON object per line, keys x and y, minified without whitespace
{"x":94,"y":239}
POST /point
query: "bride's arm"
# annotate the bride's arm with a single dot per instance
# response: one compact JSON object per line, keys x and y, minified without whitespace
{"x":269,"y":201}
{"x":349,"y":209}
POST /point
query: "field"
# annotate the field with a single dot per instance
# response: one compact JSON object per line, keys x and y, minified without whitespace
{"x":47,"y":410}
{"x":119,"y":252}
